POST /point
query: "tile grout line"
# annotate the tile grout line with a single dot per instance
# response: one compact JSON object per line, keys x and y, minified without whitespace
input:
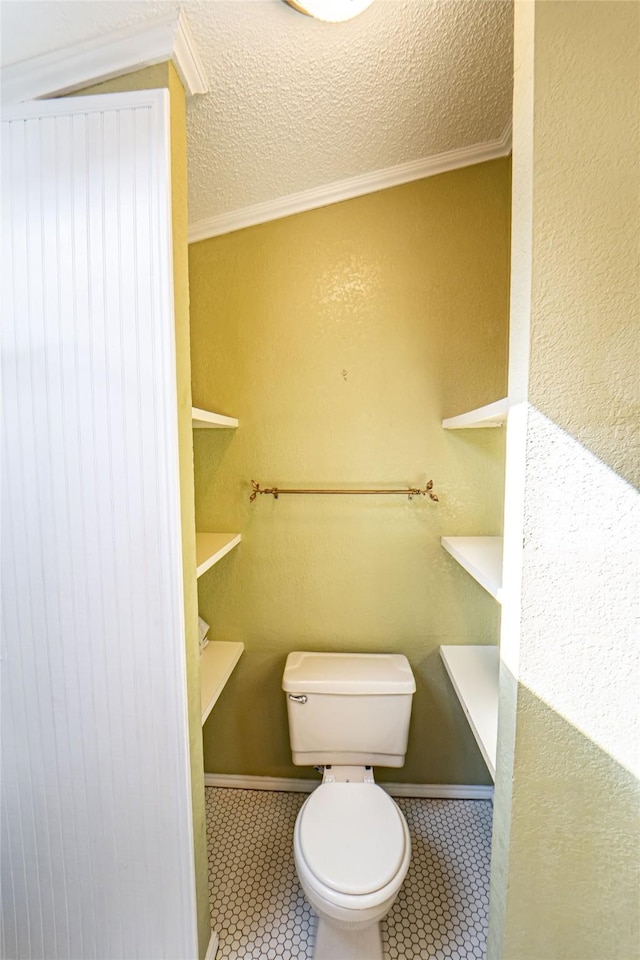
{"x":259,"y":910}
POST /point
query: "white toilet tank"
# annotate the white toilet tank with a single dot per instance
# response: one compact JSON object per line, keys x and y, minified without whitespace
{"x":348,"y":708}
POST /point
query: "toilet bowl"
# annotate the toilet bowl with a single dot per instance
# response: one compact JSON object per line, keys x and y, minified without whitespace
{"x":351,"y":842}
{"x":352,"y":851}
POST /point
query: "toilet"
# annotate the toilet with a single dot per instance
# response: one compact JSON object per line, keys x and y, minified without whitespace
{"x":349,"y":712}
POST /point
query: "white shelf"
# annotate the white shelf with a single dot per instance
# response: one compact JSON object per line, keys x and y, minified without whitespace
{"x":474,"y":671}
{"x":481,"y":557}
{"x":204,"y":420}
{"x":492,"y":415}
{"x":216,"y":666}
{"x":211,"y":547}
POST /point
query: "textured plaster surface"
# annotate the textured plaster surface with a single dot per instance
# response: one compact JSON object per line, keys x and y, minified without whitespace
{"x":340,"y":338}
{"x":569,"y":871}
{"x":296,"y":104}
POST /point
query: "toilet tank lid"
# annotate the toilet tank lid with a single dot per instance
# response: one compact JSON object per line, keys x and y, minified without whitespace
{"x":348,"y":673}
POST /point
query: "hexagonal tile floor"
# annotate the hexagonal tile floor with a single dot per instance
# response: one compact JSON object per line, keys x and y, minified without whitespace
{"x":258,"y":908}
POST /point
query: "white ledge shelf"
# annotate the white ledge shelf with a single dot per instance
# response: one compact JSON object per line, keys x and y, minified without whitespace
{"x":481,"y":557}
{"x":474,"y":672}
{"x":216,"y":666}
{"x":492,"y":415}
{"x":211,"y":547}
{"x":204,"y":420}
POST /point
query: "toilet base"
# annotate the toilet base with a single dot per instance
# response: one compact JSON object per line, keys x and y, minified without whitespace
{"x":334,"y":943}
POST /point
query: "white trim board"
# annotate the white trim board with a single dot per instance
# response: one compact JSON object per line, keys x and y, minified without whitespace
{"x":212,"y":949}
{"x":433,"y":791}
{"x":217,"y":663}
{"x":481,"y":557}
{"x":491,"y":415}
{"x":207,"y":420}
{"x":474,"y":672}
{"x":102,"y":58}
{"x":349,"y":189}
{"x":211,"y":547}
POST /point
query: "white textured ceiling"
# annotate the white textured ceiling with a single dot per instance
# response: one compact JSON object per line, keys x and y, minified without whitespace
{"x":295,"y":104}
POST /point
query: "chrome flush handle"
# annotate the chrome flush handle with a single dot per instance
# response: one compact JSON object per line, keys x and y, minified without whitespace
{"x":298,"y":699}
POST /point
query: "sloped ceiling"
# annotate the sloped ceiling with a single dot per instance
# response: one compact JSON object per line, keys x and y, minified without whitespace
{"x":295,"y":104}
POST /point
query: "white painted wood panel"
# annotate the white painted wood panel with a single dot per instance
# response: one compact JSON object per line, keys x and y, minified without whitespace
{"x":211,"y":547}
{"x":205,"y":420}
{"x":217,"y":663}
{"x":491,"y":415}
{"x":474,"y":672}
{"x":481,"y":557}
{"x":97,"y":838}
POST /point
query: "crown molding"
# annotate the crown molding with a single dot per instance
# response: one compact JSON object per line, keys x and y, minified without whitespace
{"x":186,"y":59}
{"x":102,"y":58}
{"x":506,"y":137}
{"x":348,"y":189}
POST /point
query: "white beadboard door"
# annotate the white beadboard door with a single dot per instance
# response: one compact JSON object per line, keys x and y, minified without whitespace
{"x":97,"y":835}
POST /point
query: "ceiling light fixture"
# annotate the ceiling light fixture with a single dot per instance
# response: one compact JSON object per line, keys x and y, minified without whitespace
{"x":332,"y":11}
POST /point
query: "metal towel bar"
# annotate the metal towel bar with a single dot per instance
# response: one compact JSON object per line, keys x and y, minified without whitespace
{"x":409,"y":492}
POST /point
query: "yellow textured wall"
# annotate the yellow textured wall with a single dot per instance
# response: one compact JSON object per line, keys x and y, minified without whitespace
{"x":340,"y":338}
{"x":150,"y":78}
{"x":185,"y":438}
{"x":565,"y":869}
{"x":159,"y":76}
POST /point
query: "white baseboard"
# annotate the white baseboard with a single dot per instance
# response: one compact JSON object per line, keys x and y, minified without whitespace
{"x":439,"y":791}
{"x":212,"y":949}
{"x":282,"y":784}
{"x":433,"y":791}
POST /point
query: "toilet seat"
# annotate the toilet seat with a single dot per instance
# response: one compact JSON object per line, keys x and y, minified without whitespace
{"x":353,"y":843}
